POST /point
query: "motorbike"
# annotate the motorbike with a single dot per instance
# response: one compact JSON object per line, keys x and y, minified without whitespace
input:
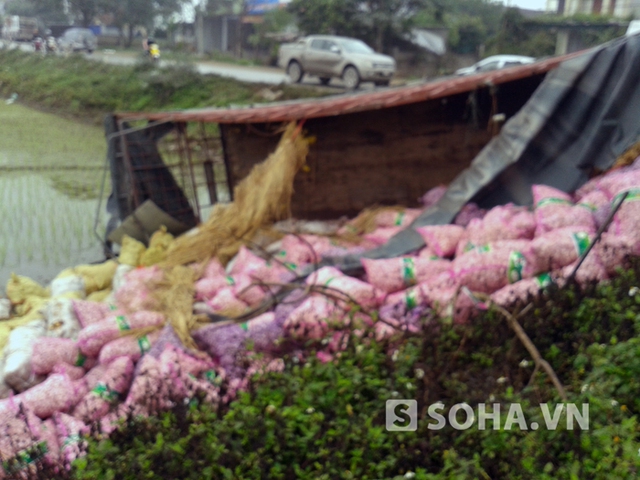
{"x":50,"y":45}
{"x":38,"y":44}
{"x":154,"y":52}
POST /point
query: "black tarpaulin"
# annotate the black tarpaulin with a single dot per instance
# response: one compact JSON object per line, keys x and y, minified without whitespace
{"x":583,"y":116}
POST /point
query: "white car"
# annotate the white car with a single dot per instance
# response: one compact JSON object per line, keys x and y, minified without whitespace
{"x":495,"y":62}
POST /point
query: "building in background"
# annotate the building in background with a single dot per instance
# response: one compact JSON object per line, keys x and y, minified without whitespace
{"x":616,"y":8}
{"x":228,"y":29}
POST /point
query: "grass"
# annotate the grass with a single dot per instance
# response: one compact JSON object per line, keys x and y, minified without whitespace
{"x":50,"y":173}
{"x":77,"y":87}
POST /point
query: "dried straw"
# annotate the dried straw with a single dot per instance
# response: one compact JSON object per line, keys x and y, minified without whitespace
{"x":628,"y":157}
{"x":261,"y":199}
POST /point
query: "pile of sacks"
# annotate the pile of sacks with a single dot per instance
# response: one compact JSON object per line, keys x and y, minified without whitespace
{"x":95,"y":345}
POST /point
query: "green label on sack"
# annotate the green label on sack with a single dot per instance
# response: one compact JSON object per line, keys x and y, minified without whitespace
{"x":105,"y":393}
{"x":483,"y":248}
{"x":408,"y":271}
{"x":144,"y":344}
{"x":80,"y":360}
{"x":326,"y":284}
{"x":71,"y":440}
{"x":210,"y":375}
{"x":633,"y":195}
{"x":517,"y":263}
{"x":122,"y":323}
{"x":25,"y":457}
{"x":282,"y":253}
{"x":230,"y":280}
{"x":112,"y":307}
{"x":399,"y":218}
{"x":552,"y":201}
{"x":588,"y":206}
{"x":245,"y":326}
{"x":410,"y":299}
{"x":291,"y":266}
{"x":468,"y":247}
{"x":543,"y":280}
{"x":580,"y":242}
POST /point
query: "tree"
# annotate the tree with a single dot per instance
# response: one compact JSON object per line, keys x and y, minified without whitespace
{"x":49,"y":11}
{"x":376,"y":21}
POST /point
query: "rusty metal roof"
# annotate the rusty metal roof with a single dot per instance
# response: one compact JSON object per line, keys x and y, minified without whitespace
{"x":351,"y":103}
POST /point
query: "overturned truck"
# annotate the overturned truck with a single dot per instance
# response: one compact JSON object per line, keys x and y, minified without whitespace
{"x":489,"y":137}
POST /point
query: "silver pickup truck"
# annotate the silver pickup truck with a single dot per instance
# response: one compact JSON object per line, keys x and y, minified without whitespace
{"x":328,"y":57}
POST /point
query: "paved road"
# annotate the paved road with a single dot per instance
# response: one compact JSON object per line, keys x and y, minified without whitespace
{"x":265,"y":75}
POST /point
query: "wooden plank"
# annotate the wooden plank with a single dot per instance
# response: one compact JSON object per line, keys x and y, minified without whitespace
{"x":386,"y":157}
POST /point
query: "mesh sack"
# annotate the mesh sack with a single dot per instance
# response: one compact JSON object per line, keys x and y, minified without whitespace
{"x":442,"y":239}
{"x":48,"y":352}
{"x":92,"y":338}
{"x":560,"y":248}
{"x":554,"y":209}
{"x":394,"y":274}
{"x":115,"y":381}
{"x":131,"y":346}
{"x":89,"y":313}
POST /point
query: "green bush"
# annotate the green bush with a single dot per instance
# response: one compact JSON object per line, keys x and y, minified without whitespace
{"x":318,"y":420}
{"x":78,"y":87}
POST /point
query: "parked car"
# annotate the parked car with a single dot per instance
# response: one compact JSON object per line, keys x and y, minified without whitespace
{"x":78,"y":39}
{"x":495,"y":62}
{"x":330,"y":57}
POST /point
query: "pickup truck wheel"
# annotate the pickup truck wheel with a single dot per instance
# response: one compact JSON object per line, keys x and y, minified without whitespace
{"x":325,"y":80}
{"x":294,"y":70}
{"x":351,"y":78}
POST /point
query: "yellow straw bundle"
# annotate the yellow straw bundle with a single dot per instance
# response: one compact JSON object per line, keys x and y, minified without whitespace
{"x":261,"y":199}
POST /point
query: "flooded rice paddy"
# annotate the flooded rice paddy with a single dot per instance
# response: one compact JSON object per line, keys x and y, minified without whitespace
{"x":50,"y":175}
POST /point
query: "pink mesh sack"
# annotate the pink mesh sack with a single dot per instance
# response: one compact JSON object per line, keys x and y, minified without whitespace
{"x":433,"y":196}
{"x":92,"y":338}
{"x":249,"y":290}
{"x":504,"y":222}
{"x":213,"y":269}
{"x":554,"y":209}
{"x":394,"y":274}
{"x":89,"y":313}
{"x":520,"y":291}
{"x":591,"y":270}
{"x":381,"y":235}
{"x":48,"y":352}
{"x":312,"y":318}
{"x":615,"y":250}
{"x":627,"y":219}
{"x":467,"y":213}
{"x":227,"y":302}
{"x":151,"y":383}
{"x":73,"y":372}
{"x":560,"y":248}
{"x":131,"y":346}
{"x":442,"y":239}
{"x":408,"y":299}
{"x":58,"y":393}
{"x":598,"y":204}
{"x":392,"y":218}
{"x":207,"y":287}
{"x":114,"y":383}
{"x":70,"y":432}
{"x":361,"y":292}
{"x":136,"y":292}
{"x":619,"y":181}
{"x":493,"y":267}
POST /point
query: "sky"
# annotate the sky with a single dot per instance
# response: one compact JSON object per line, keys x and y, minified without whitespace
{"x":530,"y":4}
